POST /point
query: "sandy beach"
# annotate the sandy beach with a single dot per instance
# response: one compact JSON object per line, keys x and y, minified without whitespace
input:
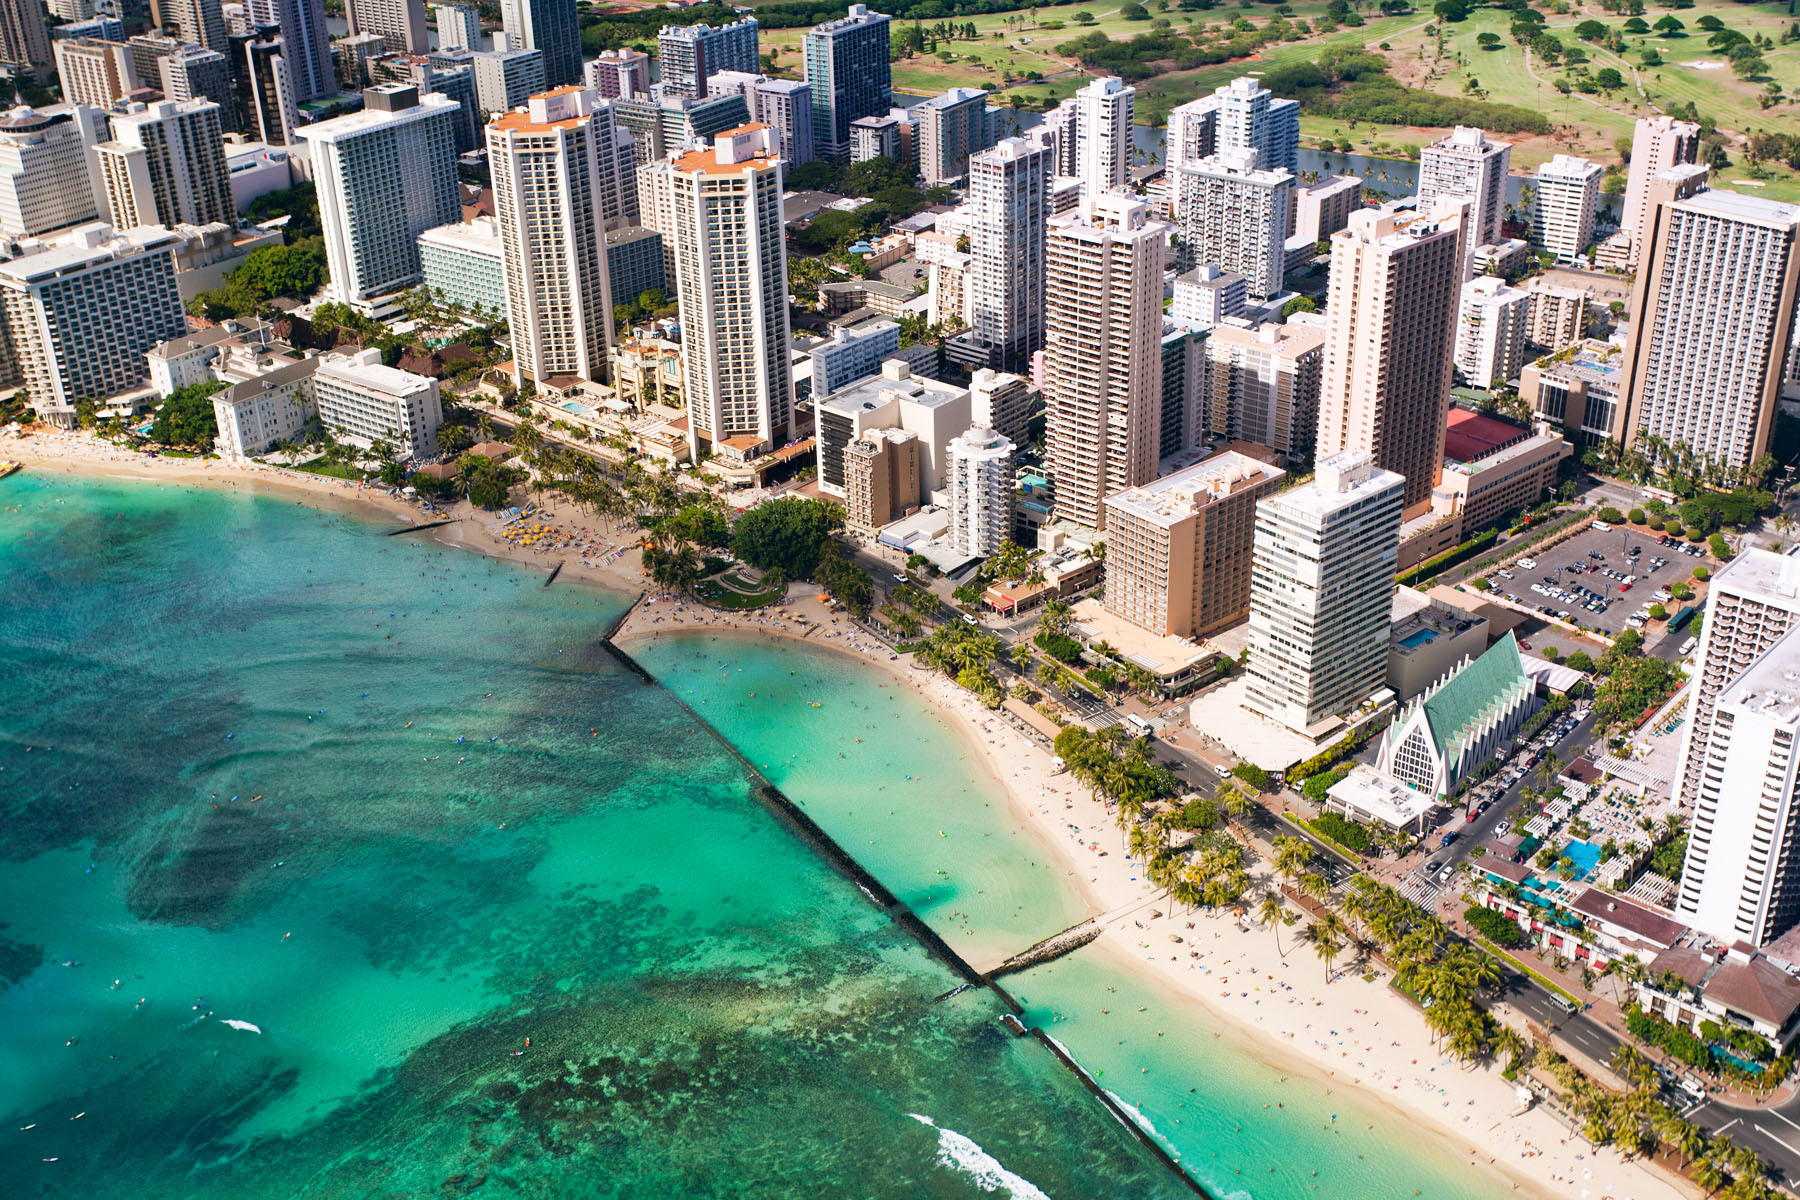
{"x":1351,"y":1032}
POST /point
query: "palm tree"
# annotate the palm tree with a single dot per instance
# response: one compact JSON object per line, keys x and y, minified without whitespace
{"x":1708,"y":1171}
{"x":1326,"y":935}
{"x":1315,"y":886}
{"x":1292,"y":856}
{"x":1273,"y":914}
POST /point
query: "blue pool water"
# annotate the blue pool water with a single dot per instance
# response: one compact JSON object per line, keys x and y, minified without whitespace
{"x":1413,"y":641}
{"x":1586,"y":856}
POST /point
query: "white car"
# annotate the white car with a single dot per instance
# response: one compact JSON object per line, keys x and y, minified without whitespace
{"x":1528,"y":563}
{"x":1502,"y":829}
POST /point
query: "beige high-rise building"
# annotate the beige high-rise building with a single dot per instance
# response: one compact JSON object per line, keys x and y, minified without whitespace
{"x":1657,"y":144}
{"x":47,"y":178}
{"x":1712,"y":318}
{"x":1103,"y":361}
{"x":881,"y":478}
{"x":1263,"y":384}
{"x":166,"y":166}
{"x":1179,"y":550}
{"x":199,"y":23}
{"x":719,"y":211}
{"x":1390,"y":336}
{"x":552,"y":161}
{"x":24,"y":34}
{"x":1558,"y":316}
{"x":1568,"y":197}
{"x":94,"y":72}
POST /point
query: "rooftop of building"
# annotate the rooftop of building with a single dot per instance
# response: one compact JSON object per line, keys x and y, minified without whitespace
{"x":283,"y":374}
{"x":369,"y":119}
{"x":1287,"y":339}
{"x":1179,"y":495}
{"x":84,"y":246}
{"x":1770,"y":687}
{"x":365,"y":369}
{"x":1367,"y":790}
{"x":732,"y":152}
{"x":482,"y":234}
{"x":1470,"y":436}
{"x":1340,"y":480}
{"x":1475,"y":692}
{"x":1570,"y":166}
{"x":201,"y":339}
{"x":896,"y":381}
{"x":1652,"y":927}
{"x":1757,"y":988}
{"x":1758,"y":572}
{"x":1593,"y":362}
{"x":1422,"y":626}
{"x":1738,"y":207}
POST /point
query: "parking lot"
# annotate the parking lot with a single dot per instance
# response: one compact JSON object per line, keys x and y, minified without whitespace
{"x":1600,"y":579}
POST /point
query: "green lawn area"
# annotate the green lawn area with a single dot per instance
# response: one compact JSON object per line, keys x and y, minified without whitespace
{"x":719,"y":596}
{"x":1598,"y":120}
{"x":319,"y":466}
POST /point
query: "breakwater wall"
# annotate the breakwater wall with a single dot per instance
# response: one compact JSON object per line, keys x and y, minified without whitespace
{"x":808,"y":830}
{"x":420,"y":528}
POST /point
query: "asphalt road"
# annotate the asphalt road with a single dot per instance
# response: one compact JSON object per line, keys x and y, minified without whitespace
{"x":1773,"y":1133}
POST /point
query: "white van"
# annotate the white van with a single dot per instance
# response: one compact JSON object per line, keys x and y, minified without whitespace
{"x":1602,"y":526}
{"x":1136,"y":726}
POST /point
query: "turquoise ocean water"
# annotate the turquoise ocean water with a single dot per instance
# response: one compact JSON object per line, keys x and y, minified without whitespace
{"x":503,"y":920}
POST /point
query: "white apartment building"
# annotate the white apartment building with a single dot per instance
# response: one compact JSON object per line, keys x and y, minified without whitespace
{"x":1103,"y":353}
{"x":718,"y":208}
{"x":1390,"y":340}
{"x":1657,"y":143}
{"x":1003,"y":402}
{"x":1206,"y":295}
{"x":1009,"y":202}
{"x":1103,"y":146}
{"x":1234,"y":215}
{"x":1322,"y":593}
{"x":551,"y":163}
{"x":951,"y":127}
{"x":166,"y":166}
{"x":399,"y":23}
{"x":1490,"y":331}
{"x":467,"y":263}
{"x":1470,"y":166}
{"x":1262,"y":384}
{"x":1712,"y":322}
{"x":81,"y":313}
{"x":1741,"y":882}
{"x":384,"y":176}
{"x":47,"y":180}
{"x":1241,"y":115}
{"x":979,"y":464}
{"x":1751,"y":604}
{"x":458,"y":26}
{"x":505,"y":79}
{"x":851,"y":354}
{"x":690,"y":54}
{"x":257,"y":413}
{"x":1568,"y":196}
{"x":192,"y":358}
{"x":363,"y":402}
{"x":1179,"y":549}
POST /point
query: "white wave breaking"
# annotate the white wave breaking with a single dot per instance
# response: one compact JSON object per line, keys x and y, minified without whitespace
{"x":1136,"y":1114}
{"x":964,"y":1154}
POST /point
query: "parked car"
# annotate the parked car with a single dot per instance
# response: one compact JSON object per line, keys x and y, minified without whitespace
{"x":1502,"y":829}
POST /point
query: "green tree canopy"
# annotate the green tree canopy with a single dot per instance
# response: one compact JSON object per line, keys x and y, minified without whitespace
{"x":186,"y":417}
{"x":786,"y":534}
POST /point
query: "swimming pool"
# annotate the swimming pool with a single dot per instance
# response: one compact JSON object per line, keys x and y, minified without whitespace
{"x":1413,"y":641}
{"x":1585,"y":855}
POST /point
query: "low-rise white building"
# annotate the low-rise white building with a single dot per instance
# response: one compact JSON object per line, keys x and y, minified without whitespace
{"x":363,"y":402}
{"x":189,"y":359}
{"x":257,"y":413}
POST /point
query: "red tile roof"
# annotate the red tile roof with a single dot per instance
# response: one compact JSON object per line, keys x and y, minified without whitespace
{"x":1470,"y":436}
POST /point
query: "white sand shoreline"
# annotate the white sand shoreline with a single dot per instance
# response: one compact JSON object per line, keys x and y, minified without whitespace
{"x":1209,"y":965}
